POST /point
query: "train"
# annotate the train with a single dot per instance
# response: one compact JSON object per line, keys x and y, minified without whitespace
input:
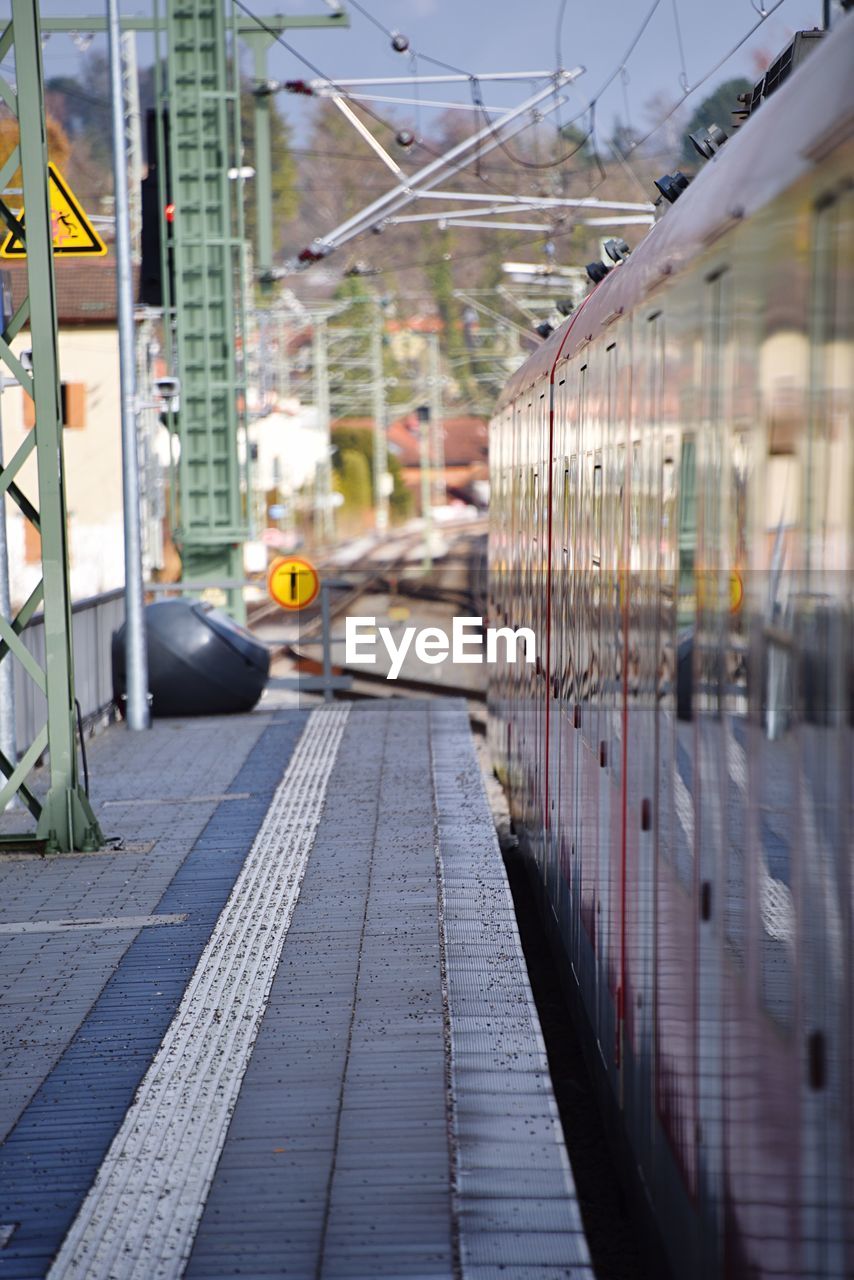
{"x":672,"y":513}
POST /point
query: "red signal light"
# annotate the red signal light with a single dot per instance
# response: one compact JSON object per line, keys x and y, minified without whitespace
{"x":169,"y":211}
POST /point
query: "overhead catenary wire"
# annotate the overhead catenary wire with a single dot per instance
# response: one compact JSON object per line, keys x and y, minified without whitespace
{"x":588,"y":109}
{"x":707,"y":75}
{"x":494,"y":126}
{"x":342,"y":91}
{"x":683,"y":74}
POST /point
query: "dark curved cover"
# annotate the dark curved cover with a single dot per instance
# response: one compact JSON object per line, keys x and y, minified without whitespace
{"x":200,"y":662}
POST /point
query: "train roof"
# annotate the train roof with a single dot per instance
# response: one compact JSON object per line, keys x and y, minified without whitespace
{"x":811,"y":112}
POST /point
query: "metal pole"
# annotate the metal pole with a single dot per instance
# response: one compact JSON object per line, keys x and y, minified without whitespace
{"x":481,"y":142}
{"x":437,"y":426}
{"x":8,"y":725}
{"x":324,"y":528}
{"x":380,"y":441}
{"x":283,"y":363}
{"x":136,"y":658}
{"x":326,"y":624}
{"x":427,"y":514}
{"x":133,"y":134}
{"x":259,"y":42}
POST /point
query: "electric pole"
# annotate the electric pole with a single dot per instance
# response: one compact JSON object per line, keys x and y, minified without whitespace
{"x":381,"y":478}
{"x":423,"y":412}
{"x":437,"y":426}
{"x":324,"y":525}
{"x":8,"y":720}
{"x":138,"y":712}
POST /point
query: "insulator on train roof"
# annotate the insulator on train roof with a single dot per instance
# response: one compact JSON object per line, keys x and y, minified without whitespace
{"x":708,"y":141}
{"x":544,"y":329}
{"x":597,"y":271}
{"x":617,"y":249}
{"x":672,"y":185}
{"x":399,"y":42}
{"x":565,"y":306}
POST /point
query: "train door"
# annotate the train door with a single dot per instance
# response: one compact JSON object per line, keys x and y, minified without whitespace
{"x":571,"y":717}
{"x":588,"y":638}
{"x":532,"y":682}
{"x":770,"y":1223}
{"x":823,"y":884}
{"x":542,"y":496}
{"x":561,"y":654}
{"x":675,"y":955}
{"x":517,"y":614}
{"x":641,"y":704}
{"x":561,"y":506}
{"x":710,"y":797}
{"x":610,"y":713}
{"x":742,"y":1181}
{"x":526,"y":745}
{"x":559,"y":499}
{"x":601,"y":727}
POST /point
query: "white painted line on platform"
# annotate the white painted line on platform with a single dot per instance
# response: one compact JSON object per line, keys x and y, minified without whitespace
{"x":141,"y":1215}
{"x":219,"y":799}
{"x":99,"y":922}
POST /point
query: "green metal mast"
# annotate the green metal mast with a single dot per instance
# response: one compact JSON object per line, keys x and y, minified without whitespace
{"x":64,"y":819}
{"x":203,"y":322}
{"x":204,"y":123}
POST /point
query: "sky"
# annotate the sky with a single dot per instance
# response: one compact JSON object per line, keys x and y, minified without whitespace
{"x":479,"y":36}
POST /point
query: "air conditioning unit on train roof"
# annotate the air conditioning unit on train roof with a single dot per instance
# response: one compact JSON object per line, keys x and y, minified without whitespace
{"x":801,"y":44}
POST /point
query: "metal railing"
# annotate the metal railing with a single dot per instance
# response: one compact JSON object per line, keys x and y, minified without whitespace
{"x":93,"y":622}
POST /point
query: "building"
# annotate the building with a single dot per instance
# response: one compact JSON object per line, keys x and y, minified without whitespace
{"x":89,"y":369}
{"x":466,"y":453}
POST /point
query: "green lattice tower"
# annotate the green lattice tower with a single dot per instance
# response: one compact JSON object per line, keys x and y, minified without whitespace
{"x":207,"y":236}
{"x":64,"y":818}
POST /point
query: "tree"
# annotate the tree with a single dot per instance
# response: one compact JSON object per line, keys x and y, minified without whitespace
{"x":58,"y":146}
{"x":716,"y":109}
{"x":624,"y":139}
{"x":352,"y":479}
{"x":284,"y":173}
{"x":356,"y":440}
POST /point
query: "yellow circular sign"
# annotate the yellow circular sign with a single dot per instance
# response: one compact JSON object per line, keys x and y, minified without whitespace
{"x":293,"y":583}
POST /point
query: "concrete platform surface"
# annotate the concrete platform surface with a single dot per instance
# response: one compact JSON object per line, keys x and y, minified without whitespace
{"x":286,"y":1029}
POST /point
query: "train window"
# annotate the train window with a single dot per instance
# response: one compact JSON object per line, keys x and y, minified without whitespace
{"x":571,"y":593}
{"x":687,"y":532}
{"x":736,"y":702}
{"x":635,"y":507}
{"x":573,"y":508}
{"x":668,"y":474}
{"x":565,"y":525}
{"x":596,"y":552}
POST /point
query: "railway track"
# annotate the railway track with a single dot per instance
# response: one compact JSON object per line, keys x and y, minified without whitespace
{"x":393,"y":568}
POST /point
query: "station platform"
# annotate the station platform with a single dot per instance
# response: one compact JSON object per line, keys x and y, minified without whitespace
{"x":284,"y":1027}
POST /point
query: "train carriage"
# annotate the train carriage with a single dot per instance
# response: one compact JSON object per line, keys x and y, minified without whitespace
{"x":673,"y":513}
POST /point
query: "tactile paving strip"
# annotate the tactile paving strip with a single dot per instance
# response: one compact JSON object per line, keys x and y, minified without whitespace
{"x":143,"y":1208}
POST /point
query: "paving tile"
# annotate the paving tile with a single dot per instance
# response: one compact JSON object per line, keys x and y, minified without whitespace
{"x":338,"y":1161}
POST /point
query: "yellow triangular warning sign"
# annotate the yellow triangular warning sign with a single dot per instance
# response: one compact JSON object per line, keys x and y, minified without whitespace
{"x":72,"y":232}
